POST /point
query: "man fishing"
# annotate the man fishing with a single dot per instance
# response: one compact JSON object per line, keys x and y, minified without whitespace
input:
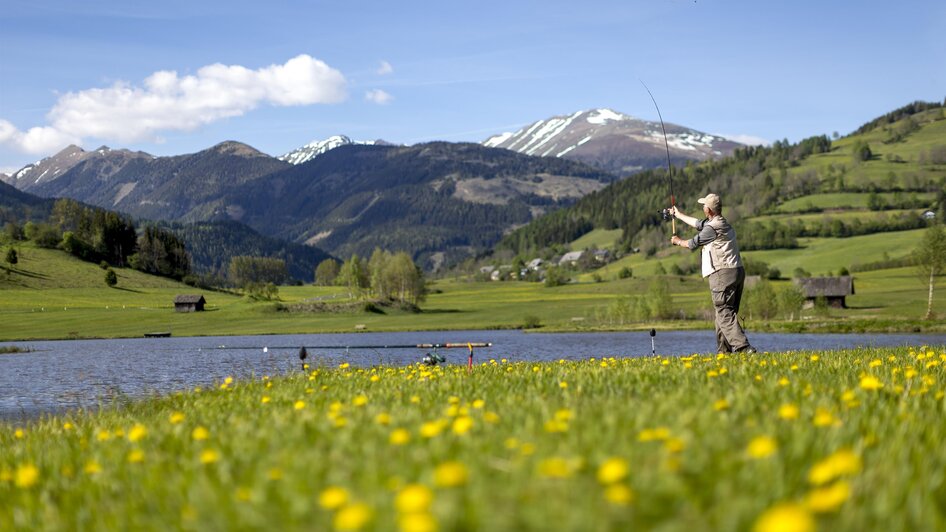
{"x":722,"y":265}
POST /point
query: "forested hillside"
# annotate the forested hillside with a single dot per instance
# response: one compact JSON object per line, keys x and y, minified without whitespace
{"x":213,"y":244}
{"x":437,"y":198}
{"x":882,"y":178}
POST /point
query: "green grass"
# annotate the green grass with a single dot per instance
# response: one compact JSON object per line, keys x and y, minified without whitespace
{"x":823,"y":255}
{"x":843,"y":201}
{"x":597,"y":239}
{"x":848,"y":440}
{"x":52,"y":295}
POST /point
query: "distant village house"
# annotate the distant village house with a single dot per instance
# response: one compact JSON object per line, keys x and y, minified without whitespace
{"x":189,"y":303}
{"x":833,"y":289}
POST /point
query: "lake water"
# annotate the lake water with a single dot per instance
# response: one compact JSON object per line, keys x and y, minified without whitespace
{"x":62,"y":375}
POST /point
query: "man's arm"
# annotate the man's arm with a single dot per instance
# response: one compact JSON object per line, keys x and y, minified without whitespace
{"x":706,"y":235}
{"x":689,"y":220}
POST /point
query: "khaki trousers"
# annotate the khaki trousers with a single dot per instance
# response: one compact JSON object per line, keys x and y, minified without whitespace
{"x":726,"y":286}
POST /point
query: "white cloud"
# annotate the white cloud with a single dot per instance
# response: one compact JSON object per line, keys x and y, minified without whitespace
{"x":169,"y":102}
{"x":378,"y":96}
{"x":748,"y":140}
{"x":385,"y":69}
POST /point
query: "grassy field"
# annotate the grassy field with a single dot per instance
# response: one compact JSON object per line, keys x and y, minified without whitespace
{"x":835,"y":440}
{"x":597,"y":239}
{"x":52,"y":295}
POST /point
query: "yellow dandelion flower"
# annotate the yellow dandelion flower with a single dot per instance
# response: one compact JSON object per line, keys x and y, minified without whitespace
{"x":103,"y":435}
{"x":399,"y":437}
{"x":491,"y":417}
{"x":383,"y":418}
{"x":209,"y":456}
{"x":200,"y":433}
{"x":824,"y":418}
{"x":333,"y":497}
{"x":479,"y":404}
{"x":563,"y":385}
{"x":450,"y":474}
{"x":788,"y":411}
{"x":564,"y":414}
{"x":762,"y":447}
{"x":814,"y":358}
{"x":352,"y":517}
{"x":176,"y":417}
{"x":414,"y":498}
{"x":375,"y":378}
{"x":556,"y":467}
{"x":243,"y":493}
{"x":721,"y":404}
{"x":92,"y":468}
{"x":137,"y":433}
{"x":511,"y":443}
{"x":785,"y":517}
{"x":876,"y":362}
{"x":417,"y":522}
{"x":431,"y":429}
{"x":265,"y":399}
{"x":842,"y":462}
{"x":19,"y":434}
{"x":25,"y":476}
{"x":360,"y":400}
{"x":870,"y":382}
{"x":619,"y":494}
{"x":555,"y":426}
{"x":526,"y":449}
{"x":783,"y":382}
{"x":612,"y":470}
{"x":462,"y":425}
{"x":415,"y":399}
{"x":67,"y":426}
{"x":298,"y":405}
{"x":344,"y":365}
{"x":136,"y":456}
{"x":828,"y":499}
{"x":674,"y":445}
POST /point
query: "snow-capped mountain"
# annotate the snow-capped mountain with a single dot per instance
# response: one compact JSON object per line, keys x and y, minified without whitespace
{"x":612,"y":141}
{"x":8,"y":179}
{"x":318,"y":147}
{"x":47,"y":170}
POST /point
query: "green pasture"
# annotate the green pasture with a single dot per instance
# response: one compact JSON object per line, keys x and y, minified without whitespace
{"x":846,"y":200}
{"x":49,"y":294}
{"x":597,"y":239}
{"x":845,"y":440}
{"x":879,"y":170}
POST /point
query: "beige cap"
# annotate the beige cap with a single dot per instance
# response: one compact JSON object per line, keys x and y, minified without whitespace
{"x":711,"y":201}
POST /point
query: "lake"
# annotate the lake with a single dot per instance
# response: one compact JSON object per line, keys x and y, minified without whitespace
{"x":60,"y":375}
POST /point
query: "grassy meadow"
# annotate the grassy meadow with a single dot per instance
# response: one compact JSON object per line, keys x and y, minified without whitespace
{"x":848,"y":440}
{"x":50,"y":294}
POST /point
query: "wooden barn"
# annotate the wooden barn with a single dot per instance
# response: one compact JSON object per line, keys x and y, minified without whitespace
{"x":189,"y":303}
{"x":833,"y":289}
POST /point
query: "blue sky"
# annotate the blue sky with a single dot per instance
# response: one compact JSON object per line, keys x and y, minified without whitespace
{"x":176,"y":77}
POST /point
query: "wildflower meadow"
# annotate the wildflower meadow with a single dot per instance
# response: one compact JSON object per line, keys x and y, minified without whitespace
{"x":839,"y":440}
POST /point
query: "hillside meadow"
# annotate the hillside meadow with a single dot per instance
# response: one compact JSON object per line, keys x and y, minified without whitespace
{"x":848,"y":440}
{"x":50,"y":294}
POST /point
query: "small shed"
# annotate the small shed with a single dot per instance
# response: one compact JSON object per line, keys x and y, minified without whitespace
{"x":189,"y":303}
{"x":833,"y":289}
{"x":570,"y":258}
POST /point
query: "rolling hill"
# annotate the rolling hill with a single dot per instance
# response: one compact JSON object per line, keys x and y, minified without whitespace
{"x":775,"y":195}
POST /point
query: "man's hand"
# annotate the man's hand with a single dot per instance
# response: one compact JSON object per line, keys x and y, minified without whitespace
{"x":677,"y":241}
{"x":673,"y":211}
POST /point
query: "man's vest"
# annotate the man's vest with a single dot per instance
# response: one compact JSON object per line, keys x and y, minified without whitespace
{"x":723,"y":251}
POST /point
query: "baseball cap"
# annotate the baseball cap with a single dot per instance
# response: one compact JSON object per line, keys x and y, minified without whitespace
{"x":711,"y":201}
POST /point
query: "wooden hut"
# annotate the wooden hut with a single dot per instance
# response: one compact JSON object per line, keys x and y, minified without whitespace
{"x":189,"y":303}
{"x":833,"y":289}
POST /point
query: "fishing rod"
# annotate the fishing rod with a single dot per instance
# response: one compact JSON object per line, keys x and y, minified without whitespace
{"x":391,"y":346}
{"x":673,"y":202}
{"x":430,"y":359}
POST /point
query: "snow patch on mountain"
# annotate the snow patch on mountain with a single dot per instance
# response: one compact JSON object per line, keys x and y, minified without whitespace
{"x":318,"y":147}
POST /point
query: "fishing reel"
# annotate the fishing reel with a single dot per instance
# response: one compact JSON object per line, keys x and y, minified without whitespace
{"x":432,"y":359}
{"x":666,"y":214}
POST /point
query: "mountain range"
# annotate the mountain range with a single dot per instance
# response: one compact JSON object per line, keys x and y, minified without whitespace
{"x":613,"y":141}
{"x":440,"y":201}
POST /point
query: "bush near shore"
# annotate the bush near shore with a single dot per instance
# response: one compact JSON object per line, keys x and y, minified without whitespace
{"x":848,"y":440}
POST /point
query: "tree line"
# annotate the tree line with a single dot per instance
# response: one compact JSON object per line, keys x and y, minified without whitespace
{"x":385,"y":276}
